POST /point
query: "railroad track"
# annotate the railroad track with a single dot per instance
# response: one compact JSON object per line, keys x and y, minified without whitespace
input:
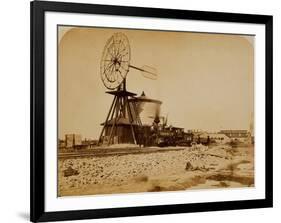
{"x":113,"y":152}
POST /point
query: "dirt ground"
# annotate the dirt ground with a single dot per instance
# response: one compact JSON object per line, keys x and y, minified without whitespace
{"x":197,"y":167}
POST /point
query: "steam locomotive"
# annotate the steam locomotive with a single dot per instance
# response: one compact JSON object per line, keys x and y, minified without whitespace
{"x":162,"y":136}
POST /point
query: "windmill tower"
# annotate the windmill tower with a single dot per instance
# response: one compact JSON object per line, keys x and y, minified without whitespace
{"x":122,"y":122}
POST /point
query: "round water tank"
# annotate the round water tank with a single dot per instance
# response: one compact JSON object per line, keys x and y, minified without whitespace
{"x":148,"y":109}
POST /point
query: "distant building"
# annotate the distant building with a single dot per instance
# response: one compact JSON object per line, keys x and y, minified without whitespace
{"x":89,"y":143}
{"x":61,"y":143}
{"x":236,"y":135}
{"x":73,"y":140}
{"x":196,"y":135}
{"x":219,"y":138}
{"x":252,"y":130}
{"x":195,"y":131}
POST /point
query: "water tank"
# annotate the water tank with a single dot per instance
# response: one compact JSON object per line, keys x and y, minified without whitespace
{"x":147,"y":109}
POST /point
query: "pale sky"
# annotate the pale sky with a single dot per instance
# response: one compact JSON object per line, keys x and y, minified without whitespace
{"x":205,"y":81}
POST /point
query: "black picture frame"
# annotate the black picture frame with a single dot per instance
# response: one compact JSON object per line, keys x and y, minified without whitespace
{"x":37,"y":157}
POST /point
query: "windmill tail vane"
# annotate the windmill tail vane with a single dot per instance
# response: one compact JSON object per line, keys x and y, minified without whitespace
{"x":147,"y":71}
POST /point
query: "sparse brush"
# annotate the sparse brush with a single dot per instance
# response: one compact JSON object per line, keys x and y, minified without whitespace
{"x":223,"y":184}
{"x":143,"y":178}
{"x":194,"y":181}
{"x":156,"y":188}
{"x":239,"y":179}
{"x":233,"y":166}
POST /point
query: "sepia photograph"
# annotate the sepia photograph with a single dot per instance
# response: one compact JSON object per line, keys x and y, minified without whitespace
{"x":143,"y":111}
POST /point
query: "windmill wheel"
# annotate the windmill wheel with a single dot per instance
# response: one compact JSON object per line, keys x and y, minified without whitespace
{"x":115,"y":61}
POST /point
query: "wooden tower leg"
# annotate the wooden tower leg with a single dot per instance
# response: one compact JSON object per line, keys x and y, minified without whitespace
{"x":131,"y":120}
{"x":111,"y":110}
{"x":116,"y":110}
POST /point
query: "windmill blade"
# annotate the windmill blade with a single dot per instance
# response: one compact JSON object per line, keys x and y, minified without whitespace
{"x":147,"y":71}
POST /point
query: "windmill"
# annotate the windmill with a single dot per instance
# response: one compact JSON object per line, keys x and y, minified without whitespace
{"x":122,"y":117}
